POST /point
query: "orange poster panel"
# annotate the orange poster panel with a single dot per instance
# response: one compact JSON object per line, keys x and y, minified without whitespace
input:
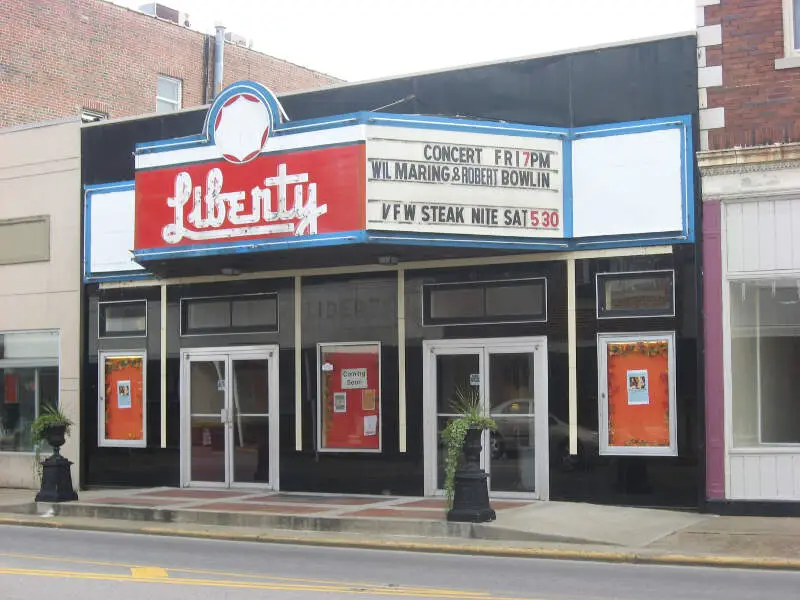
{"x":124,"y":409}
{"x":638,"y":394}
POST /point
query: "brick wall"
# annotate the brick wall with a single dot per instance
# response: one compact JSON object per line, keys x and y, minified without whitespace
{"x":755,"y":103}
{"x":60,"y":56}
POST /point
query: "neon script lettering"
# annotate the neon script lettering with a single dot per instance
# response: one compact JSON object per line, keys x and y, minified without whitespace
{"x":199,"y":216}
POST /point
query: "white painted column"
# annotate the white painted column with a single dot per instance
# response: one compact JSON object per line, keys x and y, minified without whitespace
{"x":298,"y":365}
{"x":572,"y":358}
{"x":163,"y":365}
{"x":707,"y":76}
{"x":401,"y":358}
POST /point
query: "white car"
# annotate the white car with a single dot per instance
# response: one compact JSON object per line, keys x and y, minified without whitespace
{"x":513,"y":434}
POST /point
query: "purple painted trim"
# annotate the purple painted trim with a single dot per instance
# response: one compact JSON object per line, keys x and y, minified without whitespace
{"x":714,"y":374}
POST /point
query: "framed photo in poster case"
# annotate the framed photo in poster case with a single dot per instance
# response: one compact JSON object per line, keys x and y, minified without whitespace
{"x":636,"y":394}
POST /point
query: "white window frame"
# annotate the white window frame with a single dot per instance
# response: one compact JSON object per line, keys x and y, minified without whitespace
{"x":178,"y":103}
{"x":791,"y":54}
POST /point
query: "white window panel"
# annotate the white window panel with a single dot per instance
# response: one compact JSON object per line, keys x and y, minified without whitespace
{"x":168,"y":94}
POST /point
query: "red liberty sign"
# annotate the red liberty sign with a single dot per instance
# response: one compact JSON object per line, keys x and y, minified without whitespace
{"x":301,"y":193}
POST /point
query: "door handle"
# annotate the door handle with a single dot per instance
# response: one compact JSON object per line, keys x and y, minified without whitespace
{"x":223,"y":416}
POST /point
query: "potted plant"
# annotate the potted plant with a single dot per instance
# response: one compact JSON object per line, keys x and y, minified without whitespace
{"x":51,"y":426}
{"x":462,"y":437}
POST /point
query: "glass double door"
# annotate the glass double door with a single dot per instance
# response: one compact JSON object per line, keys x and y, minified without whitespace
{"x":230,"y":426}
{"x":508,"y":378}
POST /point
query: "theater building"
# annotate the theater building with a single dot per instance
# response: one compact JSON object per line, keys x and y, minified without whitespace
{"x":289,"y":293}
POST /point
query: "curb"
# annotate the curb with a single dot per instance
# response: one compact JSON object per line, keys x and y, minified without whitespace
{"x":629,"y":557}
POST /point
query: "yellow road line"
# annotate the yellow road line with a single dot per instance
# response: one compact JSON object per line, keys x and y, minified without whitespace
{"x":345,"y":588}
{"x":268,"y":578}
{"x":148,"y":572}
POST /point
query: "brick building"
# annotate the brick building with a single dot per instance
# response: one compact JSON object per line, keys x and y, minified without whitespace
{"x":62,"y":61}
{"x":749,"y":81}
{"x":68,"y":57}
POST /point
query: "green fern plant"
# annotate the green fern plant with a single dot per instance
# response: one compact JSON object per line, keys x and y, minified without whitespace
{"x":467,"y":405}
{"x":49,"y":416}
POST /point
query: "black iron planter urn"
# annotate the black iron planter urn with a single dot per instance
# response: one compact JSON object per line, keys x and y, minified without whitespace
{"x":471,"y":490}
{"x":56,"y":476}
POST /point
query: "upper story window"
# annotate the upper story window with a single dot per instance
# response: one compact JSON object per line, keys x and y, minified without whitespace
{"x":168,"y":95}
{"x":791,"y":36}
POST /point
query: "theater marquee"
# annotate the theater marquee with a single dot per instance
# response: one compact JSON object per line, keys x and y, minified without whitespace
{"x":457,"y":183}
{"x":253,"y":181}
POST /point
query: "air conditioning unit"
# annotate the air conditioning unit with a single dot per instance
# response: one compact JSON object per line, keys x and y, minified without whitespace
{"x":236,"y":39}
{"x":165,"y":12}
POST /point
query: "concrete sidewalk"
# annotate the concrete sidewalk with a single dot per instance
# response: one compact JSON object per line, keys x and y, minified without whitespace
{"x":523,"y":529}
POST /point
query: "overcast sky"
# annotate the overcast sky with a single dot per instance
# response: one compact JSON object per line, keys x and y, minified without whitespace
{"x":369,"y":39}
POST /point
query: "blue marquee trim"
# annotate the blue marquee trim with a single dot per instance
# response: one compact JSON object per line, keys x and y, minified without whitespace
{"x":681,"y":122}
{"x":566,"y":183}
{"x":121,"y":276}
{"x":625,"y":127}
{"x":88,"y":192}
{"x":250,"y":246}
{"x":467,"y":125}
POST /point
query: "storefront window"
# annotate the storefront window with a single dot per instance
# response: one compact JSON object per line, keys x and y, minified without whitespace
{"x":765,"y":354}
{"x":28,"y":381}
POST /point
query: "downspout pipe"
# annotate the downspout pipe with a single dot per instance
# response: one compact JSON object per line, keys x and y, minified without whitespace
{"x":219,"y":58}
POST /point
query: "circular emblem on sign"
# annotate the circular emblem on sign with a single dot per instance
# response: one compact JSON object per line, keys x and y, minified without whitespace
{"x":242,"y":127}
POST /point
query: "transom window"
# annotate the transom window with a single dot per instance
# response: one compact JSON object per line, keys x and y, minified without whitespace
{"x":485,"y":302}
{"x":122,"y":319}
{"x":636,"y":294}
{"x":253,"y":313}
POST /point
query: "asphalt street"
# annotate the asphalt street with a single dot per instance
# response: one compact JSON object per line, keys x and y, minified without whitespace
{"x":41,"y":563}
